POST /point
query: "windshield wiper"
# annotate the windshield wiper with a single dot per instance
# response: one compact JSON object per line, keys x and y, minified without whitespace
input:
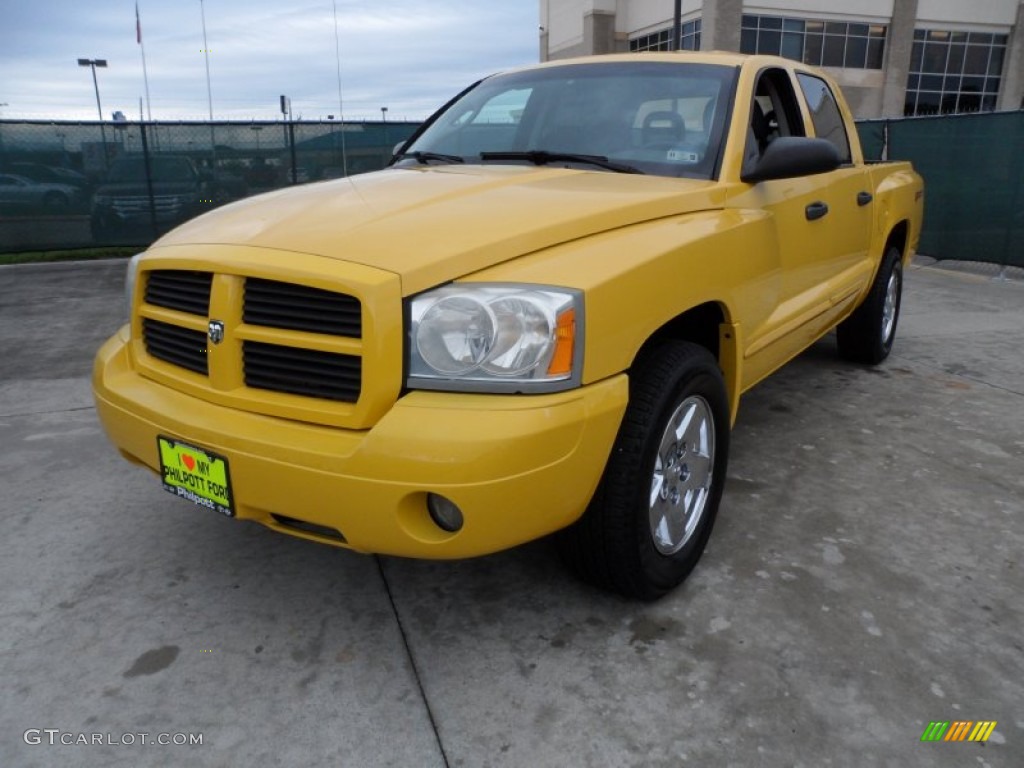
{"x":424,"y":158}
{"x":543,"y":157}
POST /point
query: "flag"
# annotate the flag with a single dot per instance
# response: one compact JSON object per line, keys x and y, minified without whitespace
{"x":138,"y":26}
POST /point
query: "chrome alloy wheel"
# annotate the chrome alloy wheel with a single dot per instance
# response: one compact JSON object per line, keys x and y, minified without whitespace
{"x":683,"y":469}
{"x":889,"y":307}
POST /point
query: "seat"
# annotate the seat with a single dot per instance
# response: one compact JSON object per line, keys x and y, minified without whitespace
{"x":663,"y":128}
{"x":759,"y":125}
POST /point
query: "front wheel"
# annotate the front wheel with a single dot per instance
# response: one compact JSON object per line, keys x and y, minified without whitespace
{"x":866,"y":336}
{"x":650,"y":519}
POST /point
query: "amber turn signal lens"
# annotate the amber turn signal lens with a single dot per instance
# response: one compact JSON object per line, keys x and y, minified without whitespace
{"x":565,"y":344}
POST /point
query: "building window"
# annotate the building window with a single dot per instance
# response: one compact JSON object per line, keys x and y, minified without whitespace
{"x":662,"y":40}
{"x":848,"y":44}
{"x":954,"y":72}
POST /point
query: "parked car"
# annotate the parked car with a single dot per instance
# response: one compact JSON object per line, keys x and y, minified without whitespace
{"x":540,"y":318}
{"x":121,"y":206}
{"x":52,"y":174}
{"x":20,"y":194}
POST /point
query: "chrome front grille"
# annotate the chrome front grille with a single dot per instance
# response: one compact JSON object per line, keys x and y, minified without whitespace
{"x":131,"y":205}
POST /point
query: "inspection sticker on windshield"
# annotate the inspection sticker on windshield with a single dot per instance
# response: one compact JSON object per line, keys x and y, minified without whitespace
{"x":195,"y":475}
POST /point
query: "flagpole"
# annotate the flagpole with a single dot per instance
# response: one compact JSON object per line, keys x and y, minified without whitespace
{"x":341,"y":105}
{"x":206,"y":53}
{"x":209,"y":92}
{"x":142,"y":47}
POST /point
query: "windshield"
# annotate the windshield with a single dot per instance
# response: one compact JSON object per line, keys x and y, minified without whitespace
{"x":660,"y":118}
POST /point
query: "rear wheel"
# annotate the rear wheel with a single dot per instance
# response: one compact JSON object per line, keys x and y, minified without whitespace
{"x":866,"y":336}
{"x":650,"y":519}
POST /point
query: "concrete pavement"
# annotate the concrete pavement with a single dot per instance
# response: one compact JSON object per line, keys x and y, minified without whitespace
{"x":864,"y":579}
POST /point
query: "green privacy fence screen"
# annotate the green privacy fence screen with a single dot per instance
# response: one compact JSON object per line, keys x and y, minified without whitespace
{"x":81,"y":184}
{"x":71,"y":184}
{"x":973,"y":168}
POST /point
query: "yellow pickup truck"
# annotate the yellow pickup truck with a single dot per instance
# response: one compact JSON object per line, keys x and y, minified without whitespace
{"x":539,"y":318}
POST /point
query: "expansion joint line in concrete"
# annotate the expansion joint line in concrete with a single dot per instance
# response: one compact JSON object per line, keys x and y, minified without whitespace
{"x":412,"y":662}
{"x":45,"y":413}
{"x":972,"y":379}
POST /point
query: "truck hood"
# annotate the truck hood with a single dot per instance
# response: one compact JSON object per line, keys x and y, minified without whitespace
{"x":431,"y":225}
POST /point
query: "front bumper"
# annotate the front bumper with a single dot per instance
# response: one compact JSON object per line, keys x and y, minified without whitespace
{"x":519,"y":466}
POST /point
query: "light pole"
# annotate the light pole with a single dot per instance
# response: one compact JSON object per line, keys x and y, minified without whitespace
{"x":383,"y":114}
{"x":93,"y":63}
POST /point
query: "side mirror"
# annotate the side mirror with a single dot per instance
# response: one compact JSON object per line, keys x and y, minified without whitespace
{"x":789,"y":156}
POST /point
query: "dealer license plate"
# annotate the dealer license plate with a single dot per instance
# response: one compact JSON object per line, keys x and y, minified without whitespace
{"x":195,"y":475}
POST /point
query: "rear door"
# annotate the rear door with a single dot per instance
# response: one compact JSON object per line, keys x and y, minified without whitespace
{"x":821,"y":231}
{"x":848,"y":194}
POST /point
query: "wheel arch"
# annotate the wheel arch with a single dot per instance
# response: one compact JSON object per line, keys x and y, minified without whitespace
{"x":710,"y":326}
{"x":899,"y":238}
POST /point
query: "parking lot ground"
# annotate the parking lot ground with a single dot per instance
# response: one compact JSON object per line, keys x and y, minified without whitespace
{"x":864,"y":579}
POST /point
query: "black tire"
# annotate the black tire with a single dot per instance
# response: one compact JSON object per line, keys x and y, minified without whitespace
{"x":867,"y":335}
{"x":615,"y":545}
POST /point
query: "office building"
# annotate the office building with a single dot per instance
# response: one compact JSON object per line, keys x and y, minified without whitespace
{"x":892,"y":57}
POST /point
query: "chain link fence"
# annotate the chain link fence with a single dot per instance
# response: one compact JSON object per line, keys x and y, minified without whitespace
{"x":973,"y":168}
{"x":84,"y":184}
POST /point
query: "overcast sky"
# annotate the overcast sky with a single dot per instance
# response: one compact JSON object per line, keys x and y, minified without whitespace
{"x":407,"y":55}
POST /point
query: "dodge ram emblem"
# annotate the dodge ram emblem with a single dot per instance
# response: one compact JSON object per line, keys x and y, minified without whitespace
{"x":216,"y":331}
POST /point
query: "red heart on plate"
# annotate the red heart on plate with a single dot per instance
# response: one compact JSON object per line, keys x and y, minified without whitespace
{"x":189,"y":461}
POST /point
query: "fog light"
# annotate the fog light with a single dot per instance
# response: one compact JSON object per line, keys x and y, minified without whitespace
{"x":444,"y":512}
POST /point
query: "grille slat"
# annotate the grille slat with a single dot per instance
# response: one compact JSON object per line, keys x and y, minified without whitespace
{"x":298,"y":371}
{"x":183,"y":290}
{"x":301,"y":308}
{"x":172,"y":344}
{"x":308,"y":359}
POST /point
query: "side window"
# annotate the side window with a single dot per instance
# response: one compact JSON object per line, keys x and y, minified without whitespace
{"x":773,"y":113}
{"x":825,"y":114}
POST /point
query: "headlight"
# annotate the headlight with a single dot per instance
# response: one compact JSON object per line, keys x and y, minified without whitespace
{"x":129,"y":283}
{"x":496,"y":338}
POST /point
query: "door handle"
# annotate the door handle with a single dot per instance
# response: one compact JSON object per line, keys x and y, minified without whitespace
{"x":816,"y":210}
{"x":863,"y":198}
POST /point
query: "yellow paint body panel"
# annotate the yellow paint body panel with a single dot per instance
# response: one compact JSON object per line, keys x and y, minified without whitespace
{"x":505,"y":460}
{"x":642,"y":250}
